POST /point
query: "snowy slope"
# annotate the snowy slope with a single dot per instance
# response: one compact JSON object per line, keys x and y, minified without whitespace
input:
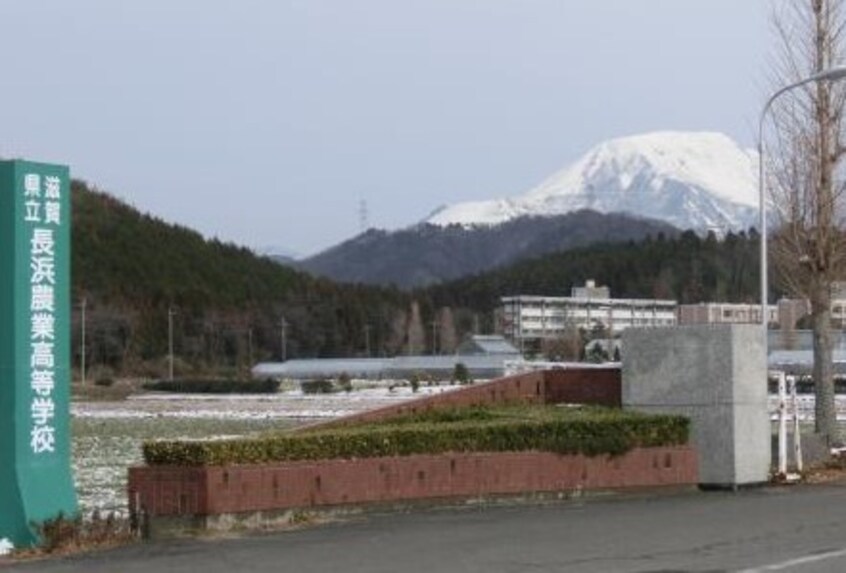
{"x":701,"y":181}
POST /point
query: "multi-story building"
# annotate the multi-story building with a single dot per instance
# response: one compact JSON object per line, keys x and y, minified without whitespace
{"x":531,"y":319}
{"x":786,"y":314}
{"x":724,"y":313}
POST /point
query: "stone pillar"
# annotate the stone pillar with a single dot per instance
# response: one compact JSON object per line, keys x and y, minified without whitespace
{"x":716,"y":376}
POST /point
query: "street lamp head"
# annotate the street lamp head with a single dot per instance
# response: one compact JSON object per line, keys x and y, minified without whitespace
{"x":834,"y":74}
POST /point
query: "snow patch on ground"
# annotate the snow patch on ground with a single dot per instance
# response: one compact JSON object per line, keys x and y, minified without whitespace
{"x":293,"y":405}
{"x":107,"y":436}
{"x":6,"y":547}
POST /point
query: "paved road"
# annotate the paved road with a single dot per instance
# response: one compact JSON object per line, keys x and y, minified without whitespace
{"x":800,"y":529}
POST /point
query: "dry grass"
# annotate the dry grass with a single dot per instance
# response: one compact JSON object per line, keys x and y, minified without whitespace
{"x":834,"y":470}
{"x":119,"y":390}
{"x":65,"y":536}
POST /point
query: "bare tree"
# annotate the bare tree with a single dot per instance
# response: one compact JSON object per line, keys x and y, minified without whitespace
{"x":397,"y":333}
{"x":416,"y":336}
{"x":806,"y":148}
{"x":567,"y":347}
{"x":447,"y":335}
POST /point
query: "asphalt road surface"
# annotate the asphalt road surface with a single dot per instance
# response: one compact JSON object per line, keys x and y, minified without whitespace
{"x":774,"y":529}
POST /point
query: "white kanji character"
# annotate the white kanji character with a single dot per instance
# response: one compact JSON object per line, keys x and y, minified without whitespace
{"x":32,"y":185}
{"x":52,"y":187}
{"x":42,"y":242}
{"x":33,"y":212}
{"x":43,"y":439}
{"x":43,"y":326}
{"x":53,"y":213}
{"x":43,"y":270}
{"x":43,"y":410}
{"x":43,"y":298}
{"x":42,"y":355}
{"x":42,"y":382}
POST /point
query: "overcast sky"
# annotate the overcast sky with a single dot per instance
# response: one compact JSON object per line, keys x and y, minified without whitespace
{"x":268,"y":122}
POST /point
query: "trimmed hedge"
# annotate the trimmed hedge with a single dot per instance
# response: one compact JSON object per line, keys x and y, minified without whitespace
{"x":267,"y":386}
{"x":319,"y":386}
{"x":590,"y":433}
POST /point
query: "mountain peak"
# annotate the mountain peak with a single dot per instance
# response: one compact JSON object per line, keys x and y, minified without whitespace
{"x":692,"y":180}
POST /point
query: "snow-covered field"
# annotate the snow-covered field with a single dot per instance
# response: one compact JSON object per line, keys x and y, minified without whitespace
{"x":107,"y":436}
{"x":292,"y":405}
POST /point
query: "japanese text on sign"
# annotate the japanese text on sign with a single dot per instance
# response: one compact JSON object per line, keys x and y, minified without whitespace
{"x":42,"y":214}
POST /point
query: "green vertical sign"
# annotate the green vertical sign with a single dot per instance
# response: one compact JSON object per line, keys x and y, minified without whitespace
{"x":36,"y":483}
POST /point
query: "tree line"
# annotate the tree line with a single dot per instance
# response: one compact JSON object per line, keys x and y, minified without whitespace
{"x":229,"y":308}
{"x":686,"y":268}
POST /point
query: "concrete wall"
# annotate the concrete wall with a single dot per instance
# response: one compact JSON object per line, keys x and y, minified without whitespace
{"x":716,"y":376}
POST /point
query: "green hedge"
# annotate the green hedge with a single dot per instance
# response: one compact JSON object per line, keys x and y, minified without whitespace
{"x":320,"y":386}
{"x":589,"y":433}
{"x":189,"y":386}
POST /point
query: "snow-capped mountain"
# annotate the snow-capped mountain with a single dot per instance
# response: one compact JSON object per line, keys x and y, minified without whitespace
{"x":700,"y":181}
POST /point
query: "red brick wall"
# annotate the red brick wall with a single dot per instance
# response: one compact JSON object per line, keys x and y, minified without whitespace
{"x":600,"y":386}
{"x":172,"y":491}
{"x":528,"y":388}
{"x":169,"y":491}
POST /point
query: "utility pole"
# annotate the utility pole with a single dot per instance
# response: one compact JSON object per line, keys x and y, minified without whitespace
{"x":282,"y":325}
{"x":434,"y":337}
{"x":249,"y":348}
{"x":82,"y":341}
{"x":170,"y":313}
{"x":367,"y":339}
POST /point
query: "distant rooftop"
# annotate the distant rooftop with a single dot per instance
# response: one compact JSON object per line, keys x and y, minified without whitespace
{"x":484,"y":356}
{"x":479,"y":365}
{"x":590,"y":290}
{"x":487,"y":344}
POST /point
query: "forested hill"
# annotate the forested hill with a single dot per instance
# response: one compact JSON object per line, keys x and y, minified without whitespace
{"x":228,"y":303}
{"x":131,"y":268}
{"x":123,"y":256}
{"x":686,"y":268}
{"x":428,"y":254}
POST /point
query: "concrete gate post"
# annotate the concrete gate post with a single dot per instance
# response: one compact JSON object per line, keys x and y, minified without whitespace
{"x":717,"y":376}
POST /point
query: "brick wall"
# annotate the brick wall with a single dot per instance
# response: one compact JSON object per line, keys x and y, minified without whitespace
{"x":599,"y":386}
{"x":186,"y":491}
{"x":177,"y":491}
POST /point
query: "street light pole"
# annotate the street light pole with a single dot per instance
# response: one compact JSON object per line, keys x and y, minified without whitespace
{"x":830,"y":75}
{"x":434,"y":337}
{"x":82,"y":341}
{"x":367,"y":339}
{"x":282,"y":325}
{"x":170,"y":313}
